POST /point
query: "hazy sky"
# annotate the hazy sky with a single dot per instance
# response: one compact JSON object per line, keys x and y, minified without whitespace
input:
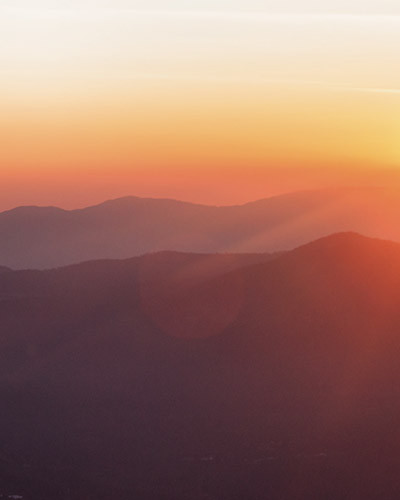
{"x":173,"y":98}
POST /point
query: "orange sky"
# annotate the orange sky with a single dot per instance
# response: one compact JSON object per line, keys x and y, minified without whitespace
{"x":217,"y":102}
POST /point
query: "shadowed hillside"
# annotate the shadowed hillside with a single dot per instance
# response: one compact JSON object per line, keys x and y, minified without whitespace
{"x":140,"y":378}
{"x":33,"y":237}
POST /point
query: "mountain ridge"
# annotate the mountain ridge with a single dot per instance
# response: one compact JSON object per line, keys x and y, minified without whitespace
{"x":118,"y":229}
{"x":133,"y":378}
{"x":136,"y":198}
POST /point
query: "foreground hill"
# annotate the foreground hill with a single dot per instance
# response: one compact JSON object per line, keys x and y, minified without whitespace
{"x":146,"y":379}
{"x":34,"y":237}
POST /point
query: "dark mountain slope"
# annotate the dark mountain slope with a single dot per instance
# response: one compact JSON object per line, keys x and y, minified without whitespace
{"x":32,"y":237}
{"x":276,"y":380}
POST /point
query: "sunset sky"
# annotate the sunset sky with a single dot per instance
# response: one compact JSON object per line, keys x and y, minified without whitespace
{"x":215,"y":101}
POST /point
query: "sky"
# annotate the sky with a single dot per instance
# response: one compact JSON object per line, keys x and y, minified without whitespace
{"x":212,"y":101}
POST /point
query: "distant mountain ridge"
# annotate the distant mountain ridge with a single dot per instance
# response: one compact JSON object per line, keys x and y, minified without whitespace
{"x":47,"y":237}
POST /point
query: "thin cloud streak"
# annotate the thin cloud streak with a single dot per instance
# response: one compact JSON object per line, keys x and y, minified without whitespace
{"x":238,"y":16}
{"x":376,"y":90}
{"x":214,"y":79}
{"x":269,"y":81}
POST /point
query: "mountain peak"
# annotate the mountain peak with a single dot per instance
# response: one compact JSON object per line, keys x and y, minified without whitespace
{"x":346,"y":239}
{"x":32,"y":210}
{"x":129,"y":201}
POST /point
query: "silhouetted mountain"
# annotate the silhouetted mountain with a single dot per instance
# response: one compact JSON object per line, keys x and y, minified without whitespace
{"x":148,"y":379}
{"x":4,"y":269}
{"x":33,"y":237}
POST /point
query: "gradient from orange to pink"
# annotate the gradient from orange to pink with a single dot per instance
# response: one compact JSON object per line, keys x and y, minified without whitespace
{"x":208,"y":101}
